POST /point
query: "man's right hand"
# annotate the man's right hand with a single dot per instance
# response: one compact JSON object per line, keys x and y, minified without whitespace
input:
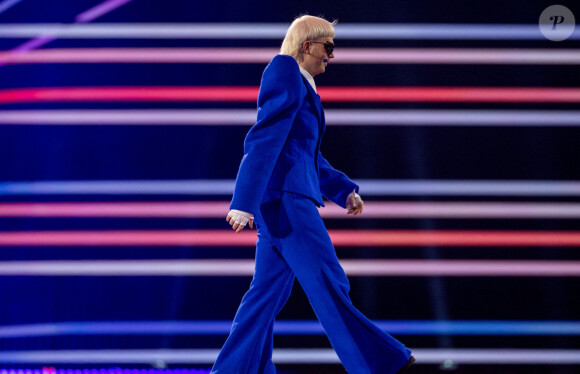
{"x":238,"y":219}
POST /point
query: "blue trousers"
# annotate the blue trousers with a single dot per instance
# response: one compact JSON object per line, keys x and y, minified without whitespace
{"x":293,"y":242}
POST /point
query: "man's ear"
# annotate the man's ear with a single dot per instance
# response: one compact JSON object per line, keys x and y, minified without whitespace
{"x":306,"y":47}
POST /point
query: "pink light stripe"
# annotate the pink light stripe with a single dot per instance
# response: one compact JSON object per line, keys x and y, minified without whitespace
{"x":218,"y":209}
{"x":263,"y":55}
{"x":142,"y":55}
{"x":197,"y":209}
{"x":328,"y":94}
{"x":374,"y":267}
{"x":340,"y":238}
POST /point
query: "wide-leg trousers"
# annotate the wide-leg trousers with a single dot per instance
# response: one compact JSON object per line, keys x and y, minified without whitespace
{"x":293,"y":242}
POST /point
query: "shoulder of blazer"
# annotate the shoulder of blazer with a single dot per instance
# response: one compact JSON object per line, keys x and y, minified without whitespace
{"x":283,"y":72}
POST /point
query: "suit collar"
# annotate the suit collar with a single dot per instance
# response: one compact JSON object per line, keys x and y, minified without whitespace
{"x":314,"y":96}
{"x":308,"y":77}
{"x":317,"y":104}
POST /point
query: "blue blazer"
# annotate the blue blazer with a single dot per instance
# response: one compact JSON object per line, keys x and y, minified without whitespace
{"x":282,"y":150}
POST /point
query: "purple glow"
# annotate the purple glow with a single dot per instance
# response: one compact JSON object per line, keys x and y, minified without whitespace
{"x":34,"y":43}
{"x":99,"y":10}
{"x":44,"y":39}
{"x":37,"y":42}
{"x":7,"y":4}
{"x":52,"y":370}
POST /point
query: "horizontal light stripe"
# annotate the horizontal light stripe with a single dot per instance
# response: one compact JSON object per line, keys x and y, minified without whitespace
{"x":334,"y":117}
{"x":328,"y":94}
{"x":218,"y":209}
{"x":468,"y":187}
{"x":141,"y":93}
{"x":412,"y":31}
{"x":290,"y":327}
{"x":215,"y":268}
{"x":263,"y":55}
{"x":369,"y":187}
{"x":292,"y":356}
{"x":124,"y":187}
{"x":341,"y":238}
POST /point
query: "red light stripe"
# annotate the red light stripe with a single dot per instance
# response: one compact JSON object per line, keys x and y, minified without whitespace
{"x":328,"y":94}
{"x":450,"y":94}
{"x":355,"y":238}
{"x":92,"y":94}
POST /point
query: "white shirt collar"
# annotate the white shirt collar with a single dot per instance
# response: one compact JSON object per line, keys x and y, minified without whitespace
{"x":308,"y":77}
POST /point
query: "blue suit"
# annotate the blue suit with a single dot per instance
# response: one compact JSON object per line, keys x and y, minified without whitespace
{"x":281,"y":180}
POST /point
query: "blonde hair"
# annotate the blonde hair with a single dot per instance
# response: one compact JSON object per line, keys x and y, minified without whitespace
{"x":302,"y":29}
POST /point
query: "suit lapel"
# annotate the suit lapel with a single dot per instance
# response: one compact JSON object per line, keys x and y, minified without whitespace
{"x":317,"y":104}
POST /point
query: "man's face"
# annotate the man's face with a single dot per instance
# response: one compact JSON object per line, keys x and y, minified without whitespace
{"x":318,"y":58}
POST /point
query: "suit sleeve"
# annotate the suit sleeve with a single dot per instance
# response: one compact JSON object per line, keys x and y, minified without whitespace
{"x":281,"y":95}
{"x":334,"y":184}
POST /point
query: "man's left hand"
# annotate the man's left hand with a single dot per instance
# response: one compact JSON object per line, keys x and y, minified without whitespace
{"x":354,"y":204}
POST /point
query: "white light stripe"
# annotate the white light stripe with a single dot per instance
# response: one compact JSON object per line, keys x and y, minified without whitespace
{"x":241,"y":117}
{"x":441,"y":31}
{"x":224,"y":187}
{"x":469,"y":188}
{"x":397,"y":117}
{"x":499,"y":356}
{"x":292,"y":356}
{"x":507,"y":210}
{"x":334,"y":117}
{"x":407,"y":31}
{"x":217,"y":209}
{"x":214,"y":268}
{"x":264,"y":55}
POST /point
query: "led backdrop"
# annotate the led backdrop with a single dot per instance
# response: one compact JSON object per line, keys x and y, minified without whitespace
{"x":121,"y":130}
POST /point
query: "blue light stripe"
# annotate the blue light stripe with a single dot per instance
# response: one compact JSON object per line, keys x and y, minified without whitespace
{"x":225,"y":187}
{"x":493,"y":356}
{"x":290,"y":327}
{"x":120,"y":187}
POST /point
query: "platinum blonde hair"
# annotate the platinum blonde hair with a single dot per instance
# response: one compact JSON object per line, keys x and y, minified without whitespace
{"x":302,"y":29}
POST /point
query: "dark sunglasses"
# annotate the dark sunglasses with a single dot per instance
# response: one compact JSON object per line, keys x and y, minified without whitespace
{"x":328,"y":47}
